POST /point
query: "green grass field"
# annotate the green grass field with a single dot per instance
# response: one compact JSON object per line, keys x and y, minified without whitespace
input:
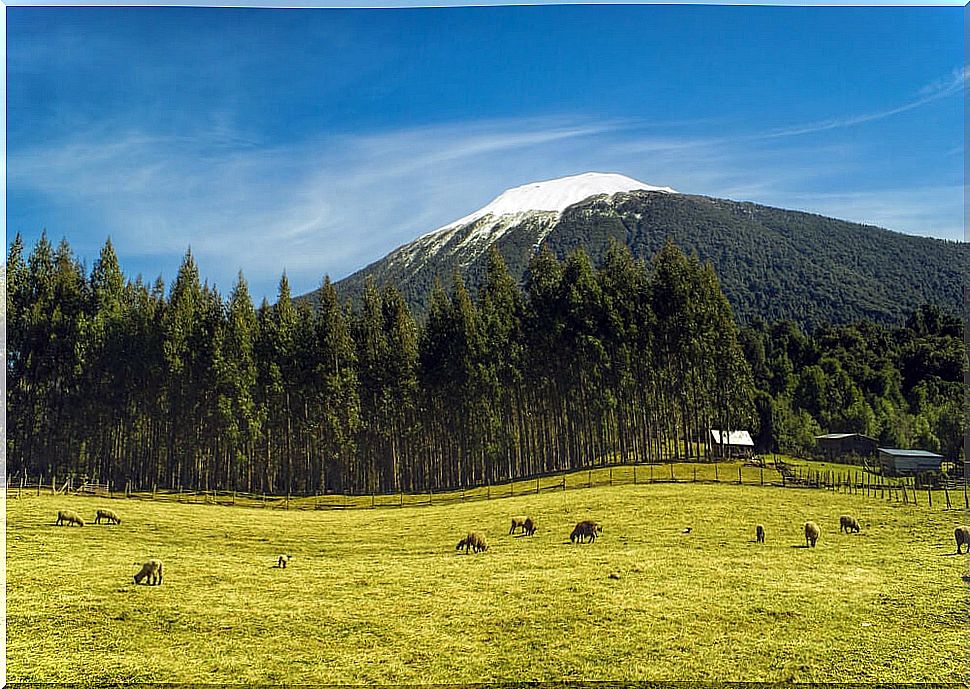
{"x":382,"y":596}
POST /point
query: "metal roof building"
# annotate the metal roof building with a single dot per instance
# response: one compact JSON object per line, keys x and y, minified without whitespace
{"x":897,"y":462}
{"x":833,"y":445}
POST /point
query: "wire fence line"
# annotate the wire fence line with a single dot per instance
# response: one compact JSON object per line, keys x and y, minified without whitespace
{"x":756,"y":473}
{"x":948,"y":494}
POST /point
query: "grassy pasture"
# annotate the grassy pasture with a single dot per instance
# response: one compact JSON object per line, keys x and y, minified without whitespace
{"x":382,"y":595}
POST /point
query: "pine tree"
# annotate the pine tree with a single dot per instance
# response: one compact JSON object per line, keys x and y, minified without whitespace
{"x":401,"y":364}
{"x":501,"y":310}
{"x":182,"y":393}
{"x":240,"y":421}
{"x":372,"y":355}
{"x":337,"y":396}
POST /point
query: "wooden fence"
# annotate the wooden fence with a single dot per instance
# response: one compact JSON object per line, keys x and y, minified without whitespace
{"x":948,"y":494}
{"x":781,"y":475}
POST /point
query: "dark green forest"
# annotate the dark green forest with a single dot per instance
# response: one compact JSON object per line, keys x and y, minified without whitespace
{"x":772,"y":263}
{"x":901,"y":385}
{"x":144,"y":384}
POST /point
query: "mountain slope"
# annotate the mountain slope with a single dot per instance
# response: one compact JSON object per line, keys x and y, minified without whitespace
{"x":771,"y":262}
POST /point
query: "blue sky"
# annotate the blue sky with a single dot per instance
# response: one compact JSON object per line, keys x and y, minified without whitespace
{"x":315,"y":141}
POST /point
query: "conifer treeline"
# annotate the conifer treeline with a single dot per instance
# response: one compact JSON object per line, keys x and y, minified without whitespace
{"x":125,"y":382}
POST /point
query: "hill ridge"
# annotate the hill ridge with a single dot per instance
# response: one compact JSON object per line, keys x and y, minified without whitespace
{"x":772,"y":262}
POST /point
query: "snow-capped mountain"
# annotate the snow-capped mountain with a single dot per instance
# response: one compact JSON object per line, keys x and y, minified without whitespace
{"x":772,"y":263}
{"x":538,"y":206}
{"x":555,"y":195}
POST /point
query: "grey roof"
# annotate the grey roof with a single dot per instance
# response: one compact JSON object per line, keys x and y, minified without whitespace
{"x":896,"y":452}
{"x":839,"y":436}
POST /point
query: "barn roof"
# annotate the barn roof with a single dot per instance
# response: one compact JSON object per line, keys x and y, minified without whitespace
{"x":841,"y":436}
{"x":897,"y":452}
{"x":738,"y":438}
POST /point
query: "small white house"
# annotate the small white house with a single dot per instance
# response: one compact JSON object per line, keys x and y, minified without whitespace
{"x":732,"y":443}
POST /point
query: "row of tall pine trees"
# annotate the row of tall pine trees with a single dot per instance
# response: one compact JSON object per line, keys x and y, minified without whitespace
{"x":178,"y":386}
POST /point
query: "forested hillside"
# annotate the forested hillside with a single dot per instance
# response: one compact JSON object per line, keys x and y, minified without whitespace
{"x":129,"y":382}
{"x":773,"y":264}
{"x":903,"y":385}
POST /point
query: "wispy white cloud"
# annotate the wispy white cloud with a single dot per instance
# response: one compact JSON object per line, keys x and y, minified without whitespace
{"x":335,"y":203}
{"x":934,"y":91}
{"x":328,"y":205}
{"x":934,"y":210}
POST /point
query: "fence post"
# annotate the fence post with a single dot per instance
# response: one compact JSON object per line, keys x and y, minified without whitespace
{"x":915,"y":500}
{"x":634,"y":474}
{"x":651,"y":473}
{"x":611,"y":477}
{"x":589,"y":478}
{"x":564,"y":482}
{"x":966,"y":503}
{"x":946,"y":494}
{"x":762,"y":476}
{"x":52,"y":484}
{"x":671,"y":465}
{"x":372,"y":498}
{"x":695,"y":473}
{"x":715,"y":473}
{"x":929,"y":496}
{"x":537,"y":485}
{"x":739,"y":474}
{"x":402,"y":497}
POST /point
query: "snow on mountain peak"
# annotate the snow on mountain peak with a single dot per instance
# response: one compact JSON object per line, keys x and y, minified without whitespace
{"x":557,"y":194}
{"x":541,"y":202}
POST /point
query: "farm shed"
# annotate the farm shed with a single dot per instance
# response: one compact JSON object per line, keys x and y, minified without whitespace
{"x":833,"y":445}
{"x":896,"y":462}
{"x":732,"y":443}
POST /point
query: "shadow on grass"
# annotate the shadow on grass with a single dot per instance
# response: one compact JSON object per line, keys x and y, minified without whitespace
{"x":802,"y":545}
